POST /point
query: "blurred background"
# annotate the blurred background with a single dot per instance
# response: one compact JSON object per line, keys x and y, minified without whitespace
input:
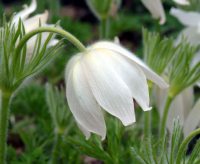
{"x":31,"y":129}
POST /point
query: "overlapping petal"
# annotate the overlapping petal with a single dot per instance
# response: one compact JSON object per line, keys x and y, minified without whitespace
{"x":132,"y":75}
{"x":109,"y":90}
{"x":151,"y":75}
{"x":83,"y":104}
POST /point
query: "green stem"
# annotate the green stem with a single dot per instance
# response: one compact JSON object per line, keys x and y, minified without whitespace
{"x":4,"y":117}
{"x":163,"y":125}
{"x":147,"y":125}
{"x":165,"y":116}
{"x":56,"y":148}
{"x":104,"y":28}
{"x":184,"y":145}
{"x":61,"y":32}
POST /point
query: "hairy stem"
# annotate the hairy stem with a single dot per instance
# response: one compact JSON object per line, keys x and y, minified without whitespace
{"x":165,"y":116}
{"x":56,"y":148}
{"x":104,"y":28}
{"x":55,"y":30}
{"x":4,"y":117}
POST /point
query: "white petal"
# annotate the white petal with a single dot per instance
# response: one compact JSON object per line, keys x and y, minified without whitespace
{"x":84,"y":130}
{"x":188,"y":100}
{"x":191,"y":35}
{"x":182,"y":2}
{"x":186,"y":18}
{"x":179,"y":107}
{"x":151,"y":75}
{"x":176,"y":110}
{"x":155,"y":7}
{"x":25,"y":12}
{"x":52,"y":43}
{"x":35,"y":21}
{"x":82,"y":103}
{"x":132,"y":75}
{"x":109,"y":89}
{"x":71,"y":63}
{"x":193,"y":120}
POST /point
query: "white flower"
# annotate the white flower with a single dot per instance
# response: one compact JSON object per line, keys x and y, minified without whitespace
{"x":182,"y":108}
{"x":33,"y":23}
{"x":182,"y":2}
{"x":107,"y":76}
{"x":191,"y":20}
{"x":155,"y":7}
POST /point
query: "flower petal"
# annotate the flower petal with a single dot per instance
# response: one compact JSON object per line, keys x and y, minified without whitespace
{"x":191,"y":34}
{"x":156,"y":9}
{"x":176,"y":111}
{"x":182,"y":2}
{"x":186,"y":18}
{"x":132,"y":75}
{"x":120,"y":50}
{"x":193,"y":120}
{"x":82,"y":103}
{"x":25,"y":12}
{"x":109,"y":89}
{"x":70,"y":65}
{"x":35,"y":21}
{"x":84,"y":130}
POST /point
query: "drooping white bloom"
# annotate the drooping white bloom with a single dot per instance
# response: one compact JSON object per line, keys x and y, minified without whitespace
{"x":191,"y":21}
{"x":33,"y":23}
{"x":182,"y":108}
{"x":107,"y":76}
{"x":182,"y":2}
{"x":156,"y":9}
{"x":193,"y":120}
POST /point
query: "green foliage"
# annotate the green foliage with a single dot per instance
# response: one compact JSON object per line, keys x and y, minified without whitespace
{"x":16,"y":65}
{"x":158,"y":52}
{"x":181,"y":72}
{"x":167,"y":155}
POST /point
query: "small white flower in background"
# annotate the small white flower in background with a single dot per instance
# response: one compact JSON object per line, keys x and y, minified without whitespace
{"x":156,"y":9}
{"x":182,"y":108}
{"x":191,"y":20}
{"x":33,"y":23}
{"x":182,"y":2}
{"x":107,"y":76}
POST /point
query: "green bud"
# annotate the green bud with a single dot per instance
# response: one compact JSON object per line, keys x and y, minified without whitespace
{"x":104,"y":8}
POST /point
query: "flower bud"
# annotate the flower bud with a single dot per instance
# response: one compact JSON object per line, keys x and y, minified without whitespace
{"x":103,"y":8}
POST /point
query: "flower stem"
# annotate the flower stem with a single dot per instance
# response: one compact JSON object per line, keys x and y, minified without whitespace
{"x":147,"y":125}
{"x":55,"y":152}
{"x":184,"y":144}
{"x":61,"y":32}
{"x":4,"y":117}
{"x":165,"y":116}
{"x":104,"y":28}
